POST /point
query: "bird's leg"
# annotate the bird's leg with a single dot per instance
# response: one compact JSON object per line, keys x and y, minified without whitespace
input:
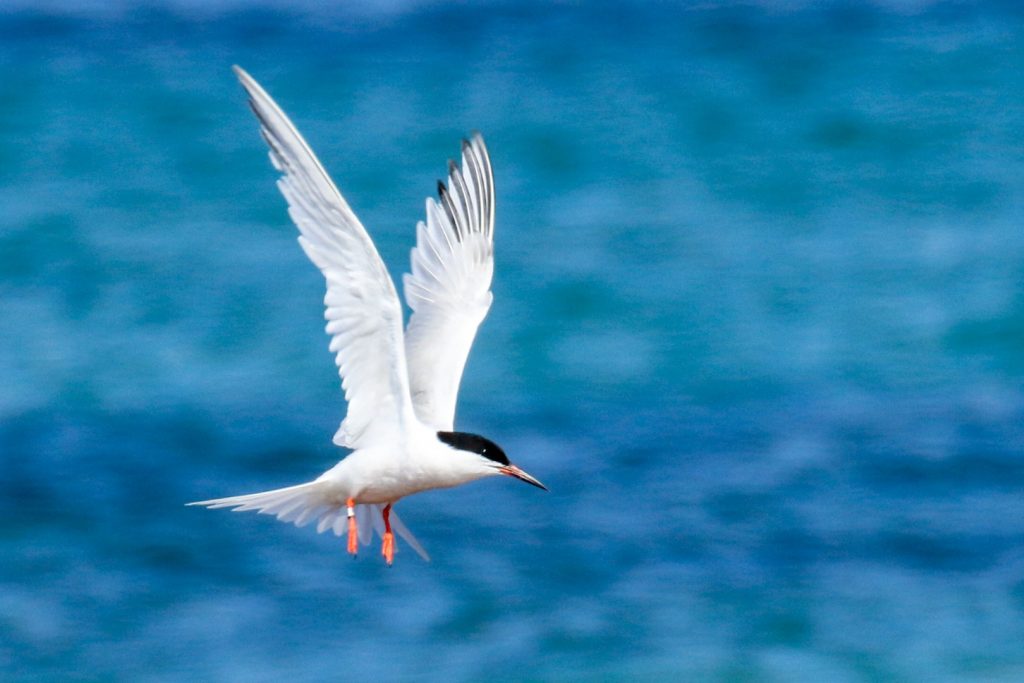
{"x":388,"y":549}
{"x":353,"y":531}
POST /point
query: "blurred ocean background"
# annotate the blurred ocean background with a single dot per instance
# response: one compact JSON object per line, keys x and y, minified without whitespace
{"x":758,"y":323}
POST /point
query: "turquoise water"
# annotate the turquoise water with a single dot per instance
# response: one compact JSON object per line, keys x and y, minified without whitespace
{"x":758,"y":323}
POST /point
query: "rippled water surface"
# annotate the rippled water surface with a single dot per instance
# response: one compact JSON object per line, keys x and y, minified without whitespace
{"x":758,"y":323}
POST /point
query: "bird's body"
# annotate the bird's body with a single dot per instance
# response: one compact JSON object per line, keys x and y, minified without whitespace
{"x":385,"y":475}
{"x":401,"y":385}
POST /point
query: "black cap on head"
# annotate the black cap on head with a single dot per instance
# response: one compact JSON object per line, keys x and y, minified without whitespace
{"x":464,"y":441}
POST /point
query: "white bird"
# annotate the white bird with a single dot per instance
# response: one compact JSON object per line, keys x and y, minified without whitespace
{"x":400,"y":387}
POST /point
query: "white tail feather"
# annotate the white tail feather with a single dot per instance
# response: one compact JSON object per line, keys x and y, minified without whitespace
{"x":306,"y":503}
{"x":404,"y":532}
{"x":364,"y":517}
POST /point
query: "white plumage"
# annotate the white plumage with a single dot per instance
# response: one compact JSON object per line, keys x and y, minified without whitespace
{"x":401,"y":388}
{"x":449,"y":289}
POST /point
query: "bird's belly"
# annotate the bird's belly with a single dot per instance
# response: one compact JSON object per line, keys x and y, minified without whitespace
{"x":386,"y":489}
{"x":380,"y":483}
{"x":379,"y":475}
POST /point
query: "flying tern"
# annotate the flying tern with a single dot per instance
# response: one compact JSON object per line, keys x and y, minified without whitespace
{"x":400,"y":385}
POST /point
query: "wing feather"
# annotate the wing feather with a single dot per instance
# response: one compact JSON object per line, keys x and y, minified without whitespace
{"x":364,"y":317}
{"x":449,"y":286}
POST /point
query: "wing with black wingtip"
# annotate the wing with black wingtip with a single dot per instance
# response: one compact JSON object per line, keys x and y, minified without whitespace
{"x":449,"y":288}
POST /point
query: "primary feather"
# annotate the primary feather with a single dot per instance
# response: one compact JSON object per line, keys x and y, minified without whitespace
{"x":449,"y":288}
{"x":364,"y":317}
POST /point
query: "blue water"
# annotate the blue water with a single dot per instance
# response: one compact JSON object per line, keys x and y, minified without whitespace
{"x":758,"y":323}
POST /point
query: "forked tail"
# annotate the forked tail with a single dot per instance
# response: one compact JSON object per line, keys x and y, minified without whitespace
{"x":309,"y":502}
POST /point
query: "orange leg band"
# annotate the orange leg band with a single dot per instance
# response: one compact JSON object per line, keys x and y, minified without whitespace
{"x":353,"y":530}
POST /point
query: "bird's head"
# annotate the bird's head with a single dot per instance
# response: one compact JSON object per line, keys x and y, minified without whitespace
{"x":489,"y":456}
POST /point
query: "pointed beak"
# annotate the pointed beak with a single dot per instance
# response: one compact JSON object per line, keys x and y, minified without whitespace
{"x":513,"y":471}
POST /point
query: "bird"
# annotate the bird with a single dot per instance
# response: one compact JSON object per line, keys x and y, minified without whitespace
{"x":400,"y":385}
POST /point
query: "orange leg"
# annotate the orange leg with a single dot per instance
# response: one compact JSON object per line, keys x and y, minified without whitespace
{"x":353,"y":531}
{"x":388,"y":549}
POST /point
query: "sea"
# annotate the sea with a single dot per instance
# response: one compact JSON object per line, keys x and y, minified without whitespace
{"x":758,"y":324}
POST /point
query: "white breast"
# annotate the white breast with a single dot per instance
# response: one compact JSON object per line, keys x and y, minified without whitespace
{"x":373,"y":475}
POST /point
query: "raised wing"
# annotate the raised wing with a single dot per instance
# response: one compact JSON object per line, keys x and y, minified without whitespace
{"x":364,"y":317}
{"x":449,"y":289}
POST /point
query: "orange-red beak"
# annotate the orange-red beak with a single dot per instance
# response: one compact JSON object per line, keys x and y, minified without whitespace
{"x":513,"y":471}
